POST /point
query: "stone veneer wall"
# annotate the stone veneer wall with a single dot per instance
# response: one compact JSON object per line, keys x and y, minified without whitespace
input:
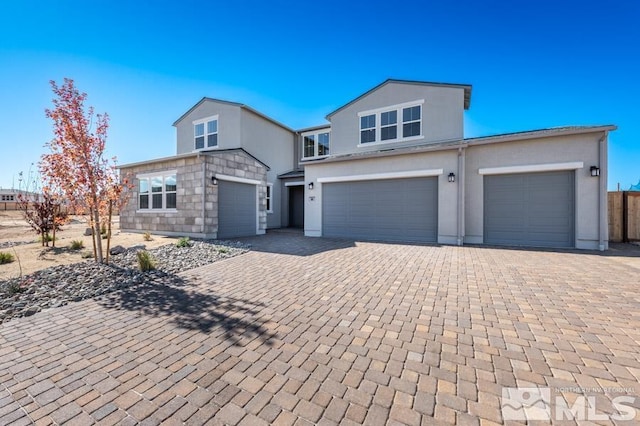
{"x":192,"y":217}
{"x":237,"y":164}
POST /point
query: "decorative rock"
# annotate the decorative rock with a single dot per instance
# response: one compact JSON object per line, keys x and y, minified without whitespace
{"x":117,"y":250}
{"x":58,"y":285}
{"x":88,"y":232}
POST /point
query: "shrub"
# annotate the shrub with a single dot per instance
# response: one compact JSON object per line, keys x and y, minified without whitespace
{"x":77,"y":244}
{"x":5,"y":257}
{"x":147,"y":236}
{"x":145,"y":261}
{"x":183,"y":242}
{"x":223,"y":250}
{"x":87,"y":255}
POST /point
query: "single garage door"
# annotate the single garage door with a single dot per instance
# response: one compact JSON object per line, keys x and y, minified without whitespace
{"x":236,"y":209}
{"x":530,"y":209}
{"x":386,"y":210}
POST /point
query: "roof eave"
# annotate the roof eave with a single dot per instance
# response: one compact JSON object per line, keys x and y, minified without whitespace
{"x":537,"y":134}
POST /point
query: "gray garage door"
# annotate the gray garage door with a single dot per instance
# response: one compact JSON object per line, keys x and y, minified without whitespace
{"x":236,"y":209}
{"x":530,"y":209}
{"x":386,"y":210}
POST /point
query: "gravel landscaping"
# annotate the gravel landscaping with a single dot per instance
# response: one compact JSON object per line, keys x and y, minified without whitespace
{"x":59,"y":285}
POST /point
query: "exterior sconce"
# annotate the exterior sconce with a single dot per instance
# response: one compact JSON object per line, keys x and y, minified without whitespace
{"x":310,"y":185}
{"x":214,"y":180}
{"x":595,"y":171}
{"x":452,"y":177}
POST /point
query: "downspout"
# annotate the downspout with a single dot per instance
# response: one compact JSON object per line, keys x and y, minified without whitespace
{"x":461,"y":187}
{"x":204,"y":194}
{"x":603,"y":234}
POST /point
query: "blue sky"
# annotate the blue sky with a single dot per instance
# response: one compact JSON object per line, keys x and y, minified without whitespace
{"x":532,"y":65}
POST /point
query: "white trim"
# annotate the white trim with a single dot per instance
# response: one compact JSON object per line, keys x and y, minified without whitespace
{"x":269,"y":192}
{"x":206,"y":133}
{"x":297,"y":183}
{"x":155,"y":174}
{"x":390,"y":141}
{"x":378,"y":176}
{"x":150,"y":211}
{"x":531,"y":168}
{"x":399,"y":124}
{"x":316,"y":143}
{"x":237,"y":179}
{"x":391,"y":107}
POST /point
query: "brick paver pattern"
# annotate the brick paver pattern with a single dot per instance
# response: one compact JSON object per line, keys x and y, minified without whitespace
{"x":319,"y":331}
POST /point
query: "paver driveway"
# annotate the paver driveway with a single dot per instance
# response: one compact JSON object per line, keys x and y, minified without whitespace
{"x":326,"y":331}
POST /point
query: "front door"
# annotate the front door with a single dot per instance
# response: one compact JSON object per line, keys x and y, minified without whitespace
{"x":296,"y":206}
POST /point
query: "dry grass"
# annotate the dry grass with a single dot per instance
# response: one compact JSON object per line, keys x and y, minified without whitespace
{"x":34,"y":257}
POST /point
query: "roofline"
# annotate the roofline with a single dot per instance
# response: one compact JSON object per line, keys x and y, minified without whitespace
{"x":407,"y":150}
{"x":319,"y":127}
{"x":539,"y":133}
{"x":189,"y":155}
{"x":466,"y":87}
{"x":243,"y":106}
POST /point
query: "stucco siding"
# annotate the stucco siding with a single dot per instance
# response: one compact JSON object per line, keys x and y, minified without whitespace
{"x":273,"y":145}
{"x":228,"y":126}
{"x":447,"y":192}
{"x":553,"y":150}
{"x":442,"y":116}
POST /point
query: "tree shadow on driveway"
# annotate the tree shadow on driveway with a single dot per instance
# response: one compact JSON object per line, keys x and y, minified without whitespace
{"x":165,"y":294}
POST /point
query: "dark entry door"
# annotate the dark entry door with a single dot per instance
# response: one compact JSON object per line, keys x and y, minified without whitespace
{"x":296,"y":206}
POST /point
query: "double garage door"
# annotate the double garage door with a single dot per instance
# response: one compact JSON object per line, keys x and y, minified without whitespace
{"x":236,"y":209}
{"x":530,"y":209}
{"x":385,"y":210}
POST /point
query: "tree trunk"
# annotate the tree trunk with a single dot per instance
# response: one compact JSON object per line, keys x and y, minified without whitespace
{"x":55,"y":215}
{"x":109,"y":229}
{"x":96,"y":231}
{"x":93,"y":235}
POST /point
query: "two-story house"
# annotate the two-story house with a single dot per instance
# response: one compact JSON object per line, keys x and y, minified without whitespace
{"x":391,"y":165}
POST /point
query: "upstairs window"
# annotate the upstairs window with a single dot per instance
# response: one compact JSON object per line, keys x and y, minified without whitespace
{"x":382,"y":125}
{"x":315,"y":144}
{"x":368,"y":128}
{"x":389,"y":125}
{"x":157,"y":192}
{"x":411,"y":119}
{"x":206,"y":133}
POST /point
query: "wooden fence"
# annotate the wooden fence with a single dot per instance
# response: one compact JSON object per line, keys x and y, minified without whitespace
{"x":624,"y":216}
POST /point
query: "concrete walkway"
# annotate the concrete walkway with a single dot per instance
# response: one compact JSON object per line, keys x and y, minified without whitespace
{"x":317,"y":331}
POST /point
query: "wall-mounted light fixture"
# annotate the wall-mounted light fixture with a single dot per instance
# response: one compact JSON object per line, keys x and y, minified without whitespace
{"x":214,"y":180}
{"x":310,"y":185}
{"x":452,"y":177}
{"x":595,"y":171}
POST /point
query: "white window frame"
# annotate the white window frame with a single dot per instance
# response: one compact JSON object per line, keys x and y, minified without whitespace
{"x":148,"y":177}
{"x":399,"y":123}
{"x":268,"y":197}
{"x":205,"y":122}
{"x":316,"y":143}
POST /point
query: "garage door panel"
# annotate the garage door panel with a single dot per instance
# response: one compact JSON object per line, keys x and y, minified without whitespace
{"x":394,"y":209}
{"x":532,"y":209}
{"x":236,"y":209}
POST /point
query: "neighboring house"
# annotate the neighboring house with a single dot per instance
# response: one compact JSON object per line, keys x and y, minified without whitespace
{"x":9,"y":198}
{"x":391,"y":165}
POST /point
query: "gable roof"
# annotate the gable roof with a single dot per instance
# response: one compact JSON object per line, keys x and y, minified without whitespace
{"x":239,"y":105}
{"x":466,"y":87}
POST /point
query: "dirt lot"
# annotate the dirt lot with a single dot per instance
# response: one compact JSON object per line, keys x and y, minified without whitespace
{"x":34,"y":257}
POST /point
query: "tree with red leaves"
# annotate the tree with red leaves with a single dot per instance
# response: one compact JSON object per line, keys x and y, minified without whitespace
{"x":76,"y":164}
